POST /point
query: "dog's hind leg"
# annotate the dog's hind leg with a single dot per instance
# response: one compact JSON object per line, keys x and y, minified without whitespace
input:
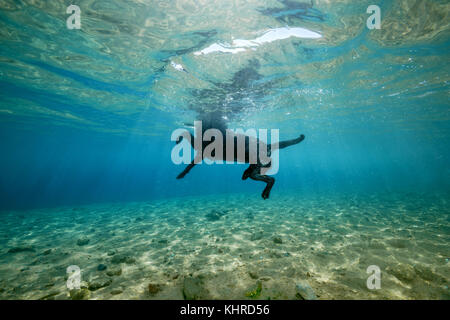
{"x":186,"y":170}
{"x":255,"y":175}
{"x":248,"y":172}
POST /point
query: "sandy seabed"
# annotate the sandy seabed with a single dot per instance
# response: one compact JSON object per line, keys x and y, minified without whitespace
{"x":231,"y":247}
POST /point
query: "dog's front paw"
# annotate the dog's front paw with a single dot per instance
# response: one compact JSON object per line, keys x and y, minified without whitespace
{"x":246,"y":174}
{"x":180,"y":176}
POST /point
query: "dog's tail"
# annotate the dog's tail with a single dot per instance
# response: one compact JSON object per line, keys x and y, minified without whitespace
{"x":287,"y":143}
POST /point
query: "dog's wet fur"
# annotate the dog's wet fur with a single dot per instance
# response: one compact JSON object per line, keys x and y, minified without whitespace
{"x":254,"y":170}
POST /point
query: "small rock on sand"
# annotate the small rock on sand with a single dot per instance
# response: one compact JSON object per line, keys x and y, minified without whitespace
{"x":257,"y":236}
{"x":99,"y":283}
{"x":114,"y":272}
{"x":277,"y":240}
{"x":399,"y":243}
{"x":304,"y":291}
{"x":21,"y":249}
{"x":402,"y":272}
{"x":215,"y":215}
{"x":123,"y":259}
{"x":427,"y":274}
{"x":193,"y":289}
{"x":82,"y":241}
{"x":101,"y":267}
{"x":79,"y":294}
{"x":153,"y":288}
{"x":116,"y":292}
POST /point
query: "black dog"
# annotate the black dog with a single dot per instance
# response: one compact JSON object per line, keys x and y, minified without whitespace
{"x":254,"y":170}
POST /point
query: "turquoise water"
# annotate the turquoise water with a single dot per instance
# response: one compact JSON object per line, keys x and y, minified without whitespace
{"x":86,"y":117}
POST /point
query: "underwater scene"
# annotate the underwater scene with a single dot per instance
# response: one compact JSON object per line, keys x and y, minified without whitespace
{"x":115,"y":176}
